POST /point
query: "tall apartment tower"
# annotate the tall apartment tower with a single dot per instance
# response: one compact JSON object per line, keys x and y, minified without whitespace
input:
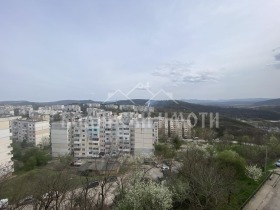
{"x":61,"y":138}
{"x":33,"y":131}
{"x":6,"y":163}
{"x":143,"y":137}
{"x":104,"y":133}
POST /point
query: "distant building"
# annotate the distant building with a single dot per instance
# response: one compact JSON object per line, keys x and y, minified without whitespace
{"x":94,"y":105}
{"x":72,"y":108}
{"x":174,"y":127}
{"x":6,"y":163}
{"x":57,"y":107}
{"x":23,"y":110}
{"x":127,"y":107}
{"x":111,"y":106}
{"x":7,"y":110}
{"x":144,"y":109}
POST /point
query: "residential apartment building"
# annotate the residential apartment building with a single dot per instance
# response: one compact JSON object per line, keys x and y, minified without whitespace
{"x":6,"y":163}
{"x":103,"y":133}
{"x":61,"y":138}
{"x":36,"y":132}
{"x":23,"y":110}
{"x":174,"y":127}
{"x":57,"y":107}
{"x":7,"y":110}
{"x":111,"y":106}
{"x":127,"y":107}
{"x":94,"y":105}
{"x":72,"y":108}
{"x":144,"y":109}
{"x":144,"y":134}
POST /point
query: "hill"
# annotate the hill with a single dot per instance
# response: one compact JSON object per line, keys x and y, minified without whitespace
{"x":227,"y":103}
{"x":242,"y":113}
{"x":271,"y":102}
{"x":61,"y":102}
{"x":171,"y":106}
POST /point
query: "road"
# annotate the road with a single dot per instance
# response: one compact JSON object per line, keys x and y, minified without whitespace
{"x":268,"y":196}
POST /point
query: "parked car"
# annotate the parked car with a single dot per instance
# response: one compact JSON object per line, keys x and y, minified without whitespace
{"x":78,"y":163}
{"x":165,"y":167}
{"x":92,"y":184}
{"x":277,"y":163}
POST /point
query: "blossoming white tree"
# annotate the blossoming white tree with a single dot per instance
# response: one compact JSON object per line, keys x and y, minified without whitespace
{"x":253,"y":172}
{"x":148,"y":195}
{"x":145,"y":195}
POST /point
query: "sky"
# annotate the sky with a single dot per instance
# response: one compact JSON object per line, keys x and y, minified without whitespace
{"x":101,"y":50}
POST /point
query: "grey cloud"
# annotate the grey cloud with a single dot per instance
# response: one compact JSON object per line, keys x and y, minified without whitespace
{"x":276,"y":63}
{"x":277,"y":57}
{"x":182,"y":73}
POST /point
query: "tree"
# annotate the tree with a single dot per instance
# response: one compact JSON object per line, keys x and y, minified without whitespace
{"x":145,"y":195}
{"x":229,"y":159}
{"x":177,"y":143}
{"x":199,"y":184}
{"x":164,"y":151}
{"x":30,"y":163}
{"x":253,"y":172}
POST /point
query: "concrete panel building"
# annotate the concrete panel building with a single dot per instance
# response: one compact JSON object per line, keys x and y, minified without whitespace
{"x":33,"y":131}
{"x":61,"y":134}
{"x":143,"y":136}
{"x":6,"y":163}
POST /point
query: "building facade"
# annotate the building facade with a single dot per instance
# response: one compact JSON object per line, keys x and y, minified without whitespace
{"x":6,"y":163}
{"x":35,"y":132}
{"x":104,"y":133}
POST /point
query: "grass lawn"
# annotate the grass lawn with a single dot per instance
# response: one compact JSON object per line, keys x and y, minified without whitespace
{"x":245,"y":188}
{"x":22,"y":183}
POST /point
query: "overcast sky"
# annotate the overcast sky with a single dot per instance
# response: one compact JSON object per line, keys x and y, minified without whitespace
{"x":52,"y":50}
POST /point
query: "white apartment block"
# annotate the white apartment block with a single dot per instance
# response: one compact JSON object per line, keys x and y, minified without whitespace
{"x":33,"y":131}
{"x":70,"y":116}
{"x":174,"y":127}
{"x":24,"y":110}
{"x":44,"y":110}
{"x":94,"y":105}
{"x":61,"y":136}
{"x":179,"y":127}
{"x":103,"y":133}
{"x":6,"y":163}
{"x":92,"y":111}
{"x":72,"y":108}
{"x":127,"y":116}
{"x":7,"y":110}
{"x":144,"y":134}
{"x":57,"y":107}
{"x":111,"y":106}
{"x":144,"y":109}
{"x":127,"y":107}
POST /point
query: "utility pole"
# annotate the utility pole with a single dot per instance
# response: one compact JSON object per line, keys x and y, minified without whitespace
{"x":265,"y":164}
